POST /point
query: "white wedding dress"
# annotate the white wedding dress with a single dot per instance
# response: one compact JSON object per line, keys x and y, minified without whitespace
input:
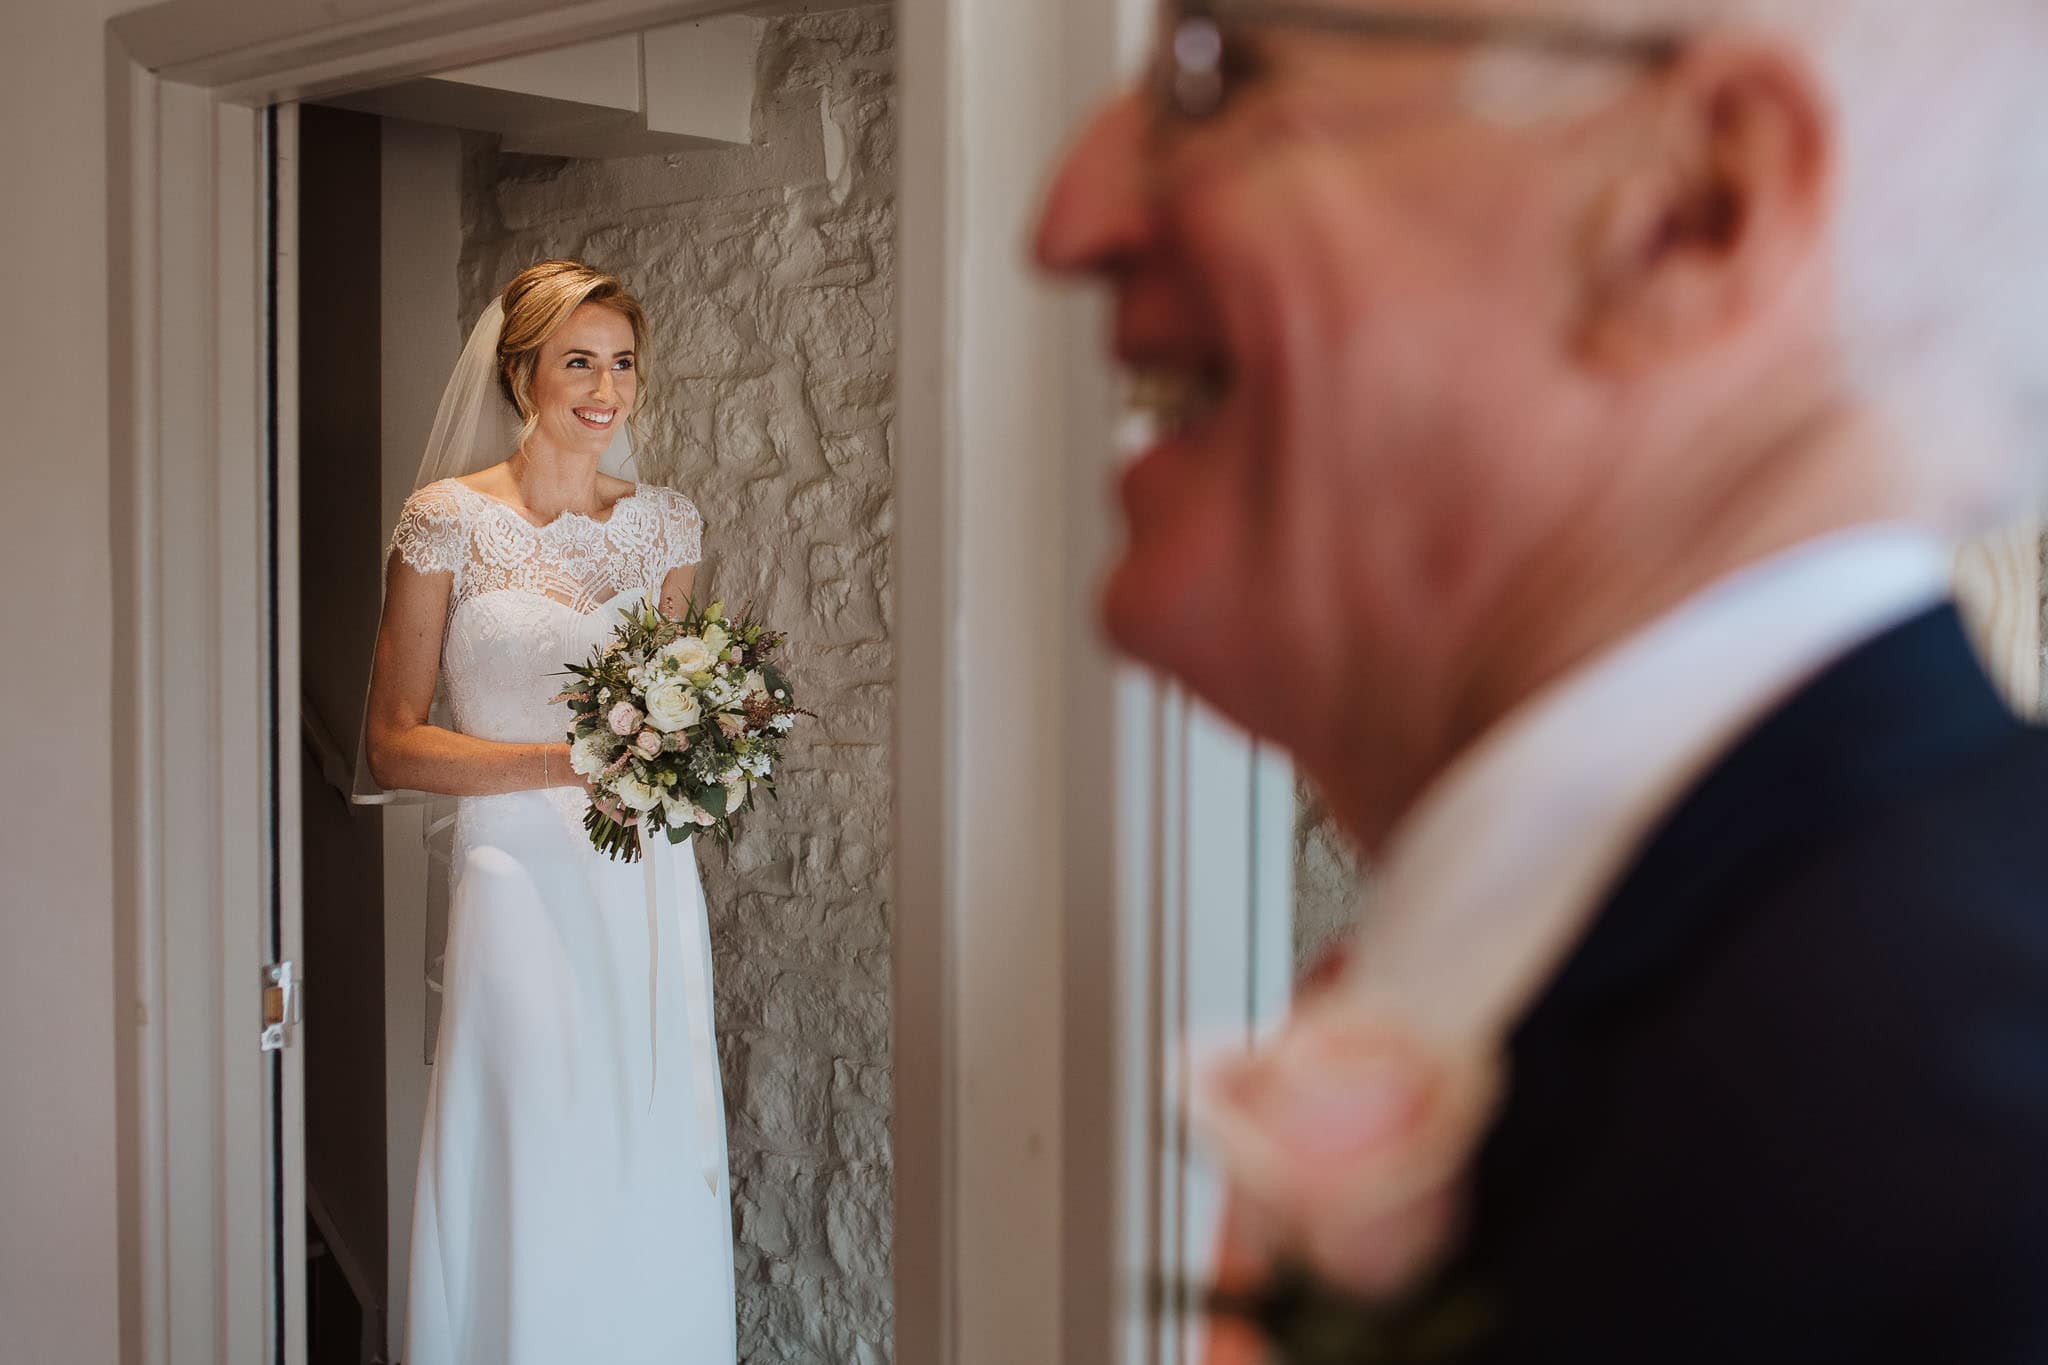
{"x":573,"y":1202}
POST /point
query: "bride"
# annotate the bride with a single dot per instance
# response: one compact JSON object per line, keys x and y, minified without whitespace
{"x":573,"y":1201}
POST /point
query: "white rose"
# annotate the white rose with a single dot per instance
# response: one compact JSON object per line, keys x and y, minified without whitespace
{"x":680,"y":810}
{"x":672,"y":705}
{"x":691,"y":654}
{"x":735,"y":795}
{"x":591,"y":754}
{"x":755,"y":684}
{"x":636,"y":795}
{"x":715,"y":640}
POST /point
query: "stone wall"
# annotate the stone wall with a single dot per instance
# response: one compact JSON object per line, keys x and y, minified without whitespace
{"x":1330,"y":886}
{"x":768,"y":275}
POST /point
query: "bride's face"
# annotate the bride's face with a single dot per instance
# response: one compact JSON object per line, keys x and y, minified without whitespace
{"x":586,"y":381}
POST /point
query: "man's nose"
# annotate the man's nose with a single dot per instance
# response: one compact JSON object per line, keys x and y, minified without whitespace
{"x":1096,"y":214}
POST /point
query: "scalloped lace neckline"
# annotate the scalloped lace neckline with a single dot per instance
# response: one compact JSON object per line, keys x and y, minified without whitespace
{"x":540,"y":527}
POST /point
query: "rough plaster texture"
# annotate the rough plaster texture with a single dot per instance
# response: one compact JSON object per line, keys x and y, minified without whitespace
{"x":768,"y":275}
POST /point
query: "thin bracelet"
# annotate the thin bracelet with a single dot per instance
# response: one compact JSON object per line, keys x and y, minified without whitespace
{"x":545,"y":780}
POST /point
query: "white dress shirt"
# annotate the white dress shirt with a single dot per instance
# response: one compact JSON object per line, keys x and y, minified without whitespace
{"x":1494,"y":875}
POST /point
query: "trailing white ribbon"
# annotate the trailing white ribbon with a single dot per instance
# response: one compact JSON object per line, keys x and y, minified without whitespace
{"x":697,"y":1009}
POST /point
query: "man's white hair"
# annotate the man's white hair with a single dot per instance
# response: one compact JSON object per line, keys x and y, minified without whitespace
{"x":1942,"y":240}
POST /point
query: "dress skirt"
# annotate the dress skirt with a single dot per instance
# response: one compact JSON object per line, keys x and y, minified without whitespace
{"x":573,"y":1202}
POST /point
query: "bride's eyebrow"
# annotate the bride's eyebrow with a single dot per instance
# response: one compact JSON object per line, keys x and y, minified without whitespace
{"x":578,"y":350}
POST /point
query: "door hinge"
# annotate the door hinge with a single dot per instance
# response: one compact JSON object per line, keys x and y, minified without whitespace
{"x":280,"y":1005}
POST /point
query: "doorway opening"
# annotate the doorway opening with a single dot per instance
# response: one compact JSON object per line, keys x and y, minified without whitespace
{"x":739,"y":173}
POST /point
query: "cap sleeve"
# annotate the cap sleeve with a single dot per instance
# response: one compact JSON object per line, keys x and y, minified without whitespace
{"x":682,"y":531}
{"x":431,"y":536}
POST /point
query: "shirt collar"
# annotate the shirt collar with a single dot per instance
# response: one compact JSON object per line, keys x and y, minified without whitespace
{"x":1495,"y":872}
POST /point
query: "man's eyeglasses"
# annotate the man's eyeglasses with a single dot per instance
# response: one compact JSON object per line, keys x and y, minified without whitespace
{"x":1195,"y":66}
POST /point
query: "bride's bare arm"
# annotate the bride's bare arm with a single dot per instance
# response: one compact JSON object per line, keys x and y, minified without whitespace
{"x":407,"y":752}
{"x":676,"y":590}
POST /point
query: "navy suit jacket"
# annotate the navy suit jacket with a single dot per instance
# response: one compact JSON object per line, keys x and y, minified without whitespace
{"x":1788,"y":1099}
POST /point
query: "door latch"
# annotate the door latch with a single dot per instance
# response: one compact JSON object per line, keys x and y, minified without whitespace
{"x":280,"y":1005}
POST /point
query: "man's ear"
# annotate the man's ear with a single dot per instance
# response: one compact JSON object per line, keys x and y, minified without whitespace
{"x":1725,"y":202}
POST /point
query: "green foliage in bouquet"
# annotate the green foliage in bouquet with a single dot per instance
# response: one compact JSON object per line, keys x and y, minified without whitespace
{"x":676,"y":723}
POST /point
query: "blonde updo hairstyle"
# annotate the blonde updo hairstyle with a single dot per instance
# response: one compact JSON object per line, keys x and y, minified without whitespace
{"x":537,"y":301}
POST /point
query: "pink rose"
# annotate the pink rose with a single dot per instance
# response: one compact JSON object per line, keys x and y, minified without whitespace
{"x":1347,"y":1139}
{"x":623,"y":719}
{"x":648,"y":743}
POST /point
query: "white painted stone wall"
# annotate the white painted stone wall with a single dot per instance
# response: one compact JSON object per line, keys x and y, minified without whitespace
{"x":1330,"y":885}
{"x":768,"y":275}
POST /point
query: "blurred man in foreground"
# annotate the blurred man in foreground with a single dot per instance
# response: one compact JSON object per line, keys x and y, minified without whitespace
{"x":1564,"y":408}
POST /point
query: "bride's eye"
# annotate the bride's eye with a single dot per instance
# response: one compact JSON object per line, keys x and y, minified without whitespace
{"x":625,"y":363}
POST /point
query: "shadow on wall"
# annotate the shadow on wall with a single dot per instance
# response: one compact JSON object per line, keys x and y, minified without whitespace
{"x":768,"y":275}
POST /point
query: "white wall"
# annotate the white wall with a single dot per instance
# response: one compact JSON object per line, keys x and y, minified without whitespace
{"x":422,"y":334}
{"x":58,"y":1244}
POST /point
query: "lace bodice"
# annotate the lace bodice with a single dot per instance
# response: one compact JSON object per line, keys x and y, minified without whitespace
{"x":528,"y":600}
{"x":449,"y":527}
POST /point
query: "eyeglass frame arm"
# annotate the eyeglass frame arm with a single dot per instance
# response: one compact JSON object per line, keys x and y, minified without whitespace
{"x":1558,"y":36}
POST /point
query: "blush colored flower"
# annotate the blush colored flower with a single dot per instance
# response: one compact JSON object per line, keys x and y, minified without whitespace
{"x":648,"y":743}
{"x":1348,"y":1139}
{"x":624,"y":719}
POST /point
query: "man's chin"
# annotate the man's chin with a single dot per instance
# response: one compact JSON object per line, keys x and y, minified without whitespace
{"x":1163,"y":622}
{"x":1141,"y":621}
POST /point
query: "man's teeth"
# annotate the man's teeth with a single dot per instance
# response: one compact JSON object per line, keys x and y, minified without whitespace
{"x":1173,"y":398}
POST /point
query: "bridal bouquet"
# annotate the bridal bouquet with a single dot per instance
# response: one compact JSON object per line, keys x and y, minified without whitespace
{"x":675,"y":723}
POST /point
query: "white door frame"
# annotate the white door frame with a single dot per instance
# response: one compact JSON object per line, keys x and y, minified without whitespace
{"x":190,"y":392}
{"x":1084,"y":864}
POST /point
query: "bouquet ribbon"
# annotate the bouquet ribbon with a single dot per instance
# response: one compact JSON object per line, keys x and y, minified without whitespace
{"x":697,"y":1009}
